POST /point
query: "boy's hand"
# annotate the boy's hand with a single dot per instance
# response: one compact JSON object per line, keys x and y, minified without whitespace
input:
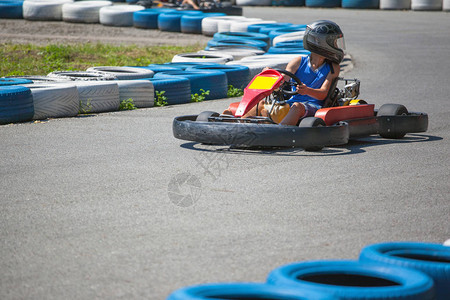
{"x":302,"y":89}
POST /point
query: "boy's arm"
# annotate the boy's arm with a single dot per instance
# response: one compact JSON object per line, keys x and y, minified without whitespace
{"x":322,"y":92}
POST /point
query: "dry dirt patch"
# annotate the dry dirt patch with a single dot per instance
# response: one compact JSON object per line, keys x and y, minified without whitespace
{"x":45,"y":32}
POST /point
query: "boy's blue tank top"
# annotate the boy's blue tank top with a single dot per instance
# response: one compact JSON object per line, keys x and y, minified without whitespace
{"x":311,"y":78}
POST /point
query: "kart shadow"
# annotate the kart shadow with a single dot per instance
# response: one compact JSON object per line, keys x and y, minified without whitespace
{"x":355,"y":146}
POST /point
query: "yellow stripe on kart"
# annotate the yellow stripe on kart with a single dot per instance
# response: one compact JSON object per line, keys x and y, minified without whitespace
{"x":263,"y":83}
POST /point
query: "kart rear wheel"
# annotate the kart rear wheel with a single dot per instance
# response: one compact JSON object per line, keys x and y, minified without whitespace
{"x":392,"y":110}
{"x":203,"y":117}
{"x":312,"y":122}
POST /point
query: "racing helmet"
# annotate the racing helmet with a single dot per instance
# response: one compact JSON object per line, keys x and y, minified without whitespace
{"x":326,"y":39}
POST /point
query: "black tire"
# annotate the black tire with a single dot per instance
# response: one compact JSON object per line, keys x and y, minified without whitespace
{"x":431,"y":259}
{"x":312,"y":122}
{"x":203,"y":117}
{"x":392,"y":110}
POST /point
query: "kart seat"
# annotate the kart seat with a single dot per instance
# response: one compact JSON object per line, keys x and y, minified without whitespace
{"x":332,"y":98}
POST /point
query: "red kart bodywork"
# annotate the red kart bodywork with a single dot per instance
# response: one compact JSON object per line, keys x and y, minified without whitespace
{"x":269,"y":80}
{"x":332,"y":115}
{"x":259,"y":88}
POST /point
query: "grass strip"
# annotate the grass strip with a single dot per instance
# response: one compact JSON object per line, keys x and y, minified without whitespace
{"x":29,"y":59}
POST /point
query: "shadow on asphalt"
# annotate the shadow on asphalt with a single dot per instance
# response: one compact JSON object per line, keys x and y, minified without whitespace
{"x":355,"y":146}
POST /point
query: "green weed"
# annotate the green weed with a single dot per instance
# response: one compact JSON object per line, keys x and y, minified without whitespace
{"x":234,"y":92}
{"x":127,"y":104}
{"x":85,"y":107}
{"x":161,"y":99}
{"x":199,"y":97}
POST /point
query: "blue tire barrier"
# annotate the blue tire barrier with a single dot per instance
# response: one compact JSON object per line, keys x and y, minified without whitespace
{"x":258,"y":27}
{"x":16,"y":104}
{"x":242,"y":35}
{"x":160,"y":68}
{"x":238,"y":76}
{"x":176,"y":89}
{"x":185,"y":65}
{"x":13,"y":81}
{"x":431,"y":259}
{"x":11,"y":9}
{"x":215,"y":82}
{"x":148,"y":18}
{"x":290,"y":44}
{"x":172,"y":21}
{"x":288,"y":2}
{"x":272,"y":27}
{"x":237,"y":42}
{"x":245,"y":291}
{"x":360,"y":3}
{"x":323,"y":3}
{"x":192,"y":23}
{"x":280,"y":31}
{"x":299,"y":51}
{"x":355,"y":280}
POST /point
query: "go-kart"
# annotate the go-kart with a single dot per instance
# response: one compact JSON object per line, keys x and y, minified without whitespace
{"x":210,"y":7}
{"x":343,"y":117}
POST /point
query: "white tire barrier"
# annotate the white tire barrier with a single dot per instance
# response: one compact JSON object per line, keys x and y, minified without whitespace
{"x":123,"y":73}
{"x":44,"y":10}
{"x":98,"y":96}
{"x":256,"y":66}
{"x":254,"y":2}
{"x":81,"y":75}
{"x":446,"y":5}
{"x":219,"y":58}
{"x":269,"y":58}
{"x":118,"y":15}
{"x":236,"y":52}
{"x":243,"y":26}
{"x":210,"y":24}
{"x":42,"y":79}
{"x":426,"y":4}
{"x":54,"y":100}
{"x":395,"y":4}
{"x":288,"y":37}
{"x":224,"y":24}
{"x":140,"y":91}
{"x":83,"y":11}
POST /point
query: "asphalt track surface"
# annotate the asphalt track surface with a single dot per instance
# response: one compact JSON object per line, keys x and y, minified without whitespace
{"x":94,"y":207}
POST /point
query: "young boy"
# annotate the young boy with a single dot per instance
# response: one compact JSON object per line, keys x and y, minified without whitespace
{"x":325,"y":41}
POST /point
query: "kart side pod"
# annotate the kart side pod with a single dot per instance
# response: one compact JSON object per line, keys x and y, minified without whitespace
{"x":332,"y":115}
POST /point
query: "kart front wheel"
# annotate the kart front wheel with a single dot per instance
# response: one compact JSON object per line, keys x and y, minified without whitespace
{"x":392,"y":110}
{"x":204,"y":116}
{"x":312,"y":122}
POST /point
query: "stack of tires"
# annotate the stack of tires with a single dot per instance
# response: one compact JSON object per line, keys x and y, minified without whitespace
{"x":396,"y":270}
{"x":67,"y":93}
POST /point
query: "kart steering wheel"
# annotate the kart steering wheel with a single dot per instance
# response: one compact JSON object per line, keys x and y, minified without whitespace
{"x":286,"y":87}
